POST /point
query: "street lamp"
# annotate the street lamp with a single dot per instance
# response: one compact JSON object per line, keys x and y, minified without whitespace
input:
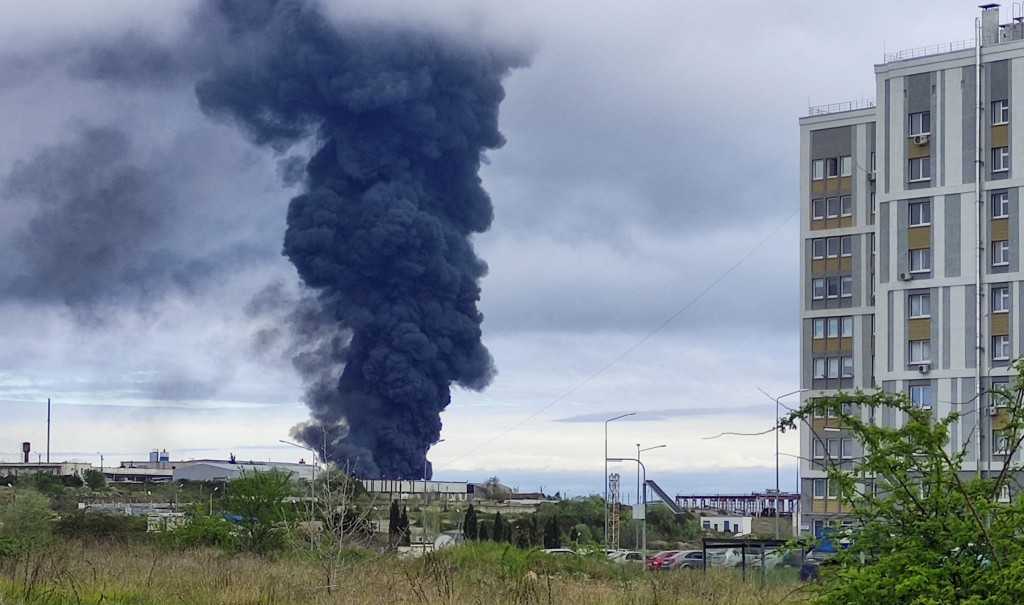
{"x":644,"y":509}
{"x":101,"y":462}
{"x":424,"y":505}
{"x":777,"y":405}
{"x":605,"y":480}
{"x":643,"y":488}
{"x":312,"y":486}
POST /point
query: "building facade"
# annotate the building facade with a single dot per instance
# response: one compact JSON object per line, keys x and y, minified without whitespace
{"x":911,"y":247}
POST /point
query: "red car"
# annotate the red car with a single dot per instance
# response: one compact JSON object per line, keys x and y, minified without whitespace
{"x":655,"y":562}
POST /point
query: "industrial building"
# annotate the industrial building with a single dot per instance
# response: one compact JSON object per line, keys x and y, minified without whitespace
{"x":910,"y":241}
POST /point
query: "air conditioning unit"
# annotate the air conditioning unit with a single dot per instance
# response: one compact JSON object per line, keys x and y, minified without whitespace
{"x":871,"y":176}
{"x":905,"y":277}
{"x":992,"y":410}
{"x":921,"y":139}
{"x":924,"y":368}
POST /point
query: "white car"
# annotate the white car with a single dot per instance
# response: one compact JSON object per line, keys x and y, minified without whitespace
{"x":628,"y":556}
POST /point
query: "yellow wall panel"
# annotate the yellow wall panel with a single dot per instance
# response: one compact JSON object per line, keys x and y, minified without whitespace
{"x":1000,"y":229}
{"x":917,"y":151}
{"x":1000,"y":136}
{"x":1000,"y":324}
{"x":919,"y":237}
{"x":919,"y":329}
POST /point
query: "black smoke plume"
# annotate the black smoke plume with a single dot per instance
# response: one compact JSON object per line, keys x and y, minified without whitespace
{"x":401,"y":118}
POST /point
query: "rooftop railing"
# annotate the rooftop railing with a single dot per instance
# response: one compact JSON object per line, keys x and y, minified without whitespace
{"x":924,"y":51}
{"x":821,"y":110}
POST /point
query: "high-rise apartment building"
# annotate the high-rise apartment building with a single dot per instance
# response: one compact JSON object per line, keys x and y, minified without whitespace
{"x":911,"y":246}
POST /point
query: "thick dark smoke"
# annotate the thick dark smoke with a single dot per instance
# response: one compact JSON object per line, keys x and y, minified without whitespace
{"x":401,"y":118}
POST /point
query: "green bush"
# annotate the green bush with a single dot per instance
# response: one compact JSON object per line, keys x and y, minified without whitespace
{"x":95,"y":479}
{"x":82,"y":525}
{"x":26,"y":525}
{"x":201,"y":530}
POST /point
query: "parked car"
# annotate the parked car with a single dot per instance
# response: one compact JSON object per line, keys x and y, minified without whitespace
{"x":724,"y":557}
{"x":655,"y":562}
{"x":685,"y":559}
{"x":634,"y":557}
{"x":559,"y":551}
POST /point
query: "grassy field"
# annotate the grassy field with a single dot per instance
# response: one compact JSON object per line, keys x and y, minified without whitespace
{"x":142,"y":574}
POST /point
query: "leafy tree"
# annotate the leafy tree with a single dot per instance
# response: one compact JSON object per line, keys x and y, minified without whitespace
{"x":394,"y":524}
{"x":552,"y":537}
{"x":95,"y":479}
{"x":498,"y":535}
{"x":404,"y":535}
{"x":927,"y":530}
{"x":469,"y":524}
{"x":521,"y":533}
{"x":258,"y":500}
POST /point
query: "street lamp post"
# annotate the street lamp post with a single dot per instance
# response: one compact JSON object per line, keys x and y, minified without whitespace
{"x":424,"y":503}
{"x":101,"y":462}
{"x":644,"y":468}
{"x":777,"y":406}
{"x":312,"y":487}
{"x":605,"y":479}
{"x":643,"y":490}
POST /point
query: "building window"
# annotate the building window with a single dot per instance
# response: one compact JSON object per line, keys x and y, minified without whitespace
{"x":832,"y":287}
{"x":818,"y":209}
{"x":831,"y":167}
{"x":1000,"y":348}
{"x":921,"y":396}
{"x":920,"y":305}
{"x":833,"y":368}
{"x":832,"y":250}
{"x":818,"y":288}
{"x":1000,"y":204}
{"x":819,"y":367}
{"x":1004,"y":494}
{"x":847,"y":327}
{"x":832,"y":447}
{"x":921,"y":260}
{"x":1000,"y":253}
{"x":833,"y":327}
{"x":819,"y":488}
{"x":818,"y":169}
{"x":920,"y":213}
{"x":832,"y":207}
{"x":818,"y":248}
{"x":846,"y":448}
{"x":1000,"y":112}
{"x":920,"y":123}
{"x":920,"y":351}
{"x":833,"y":489}
{"x":846,"y":245}
{"x":845,"y":206}
{"x":1001,"y":299}
{"x":845,"y":166}
{"x":846,"y":286}
{"x":1000,"y":159}
{"x":1000,"y":442}
{"x":847,"y":367}
{"x":920,"y":169}
{"x":818,"y":328}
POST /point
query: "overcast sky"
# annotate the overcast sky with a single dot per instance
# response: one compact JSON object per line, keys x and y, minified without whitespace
{"x":643,"y":256}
